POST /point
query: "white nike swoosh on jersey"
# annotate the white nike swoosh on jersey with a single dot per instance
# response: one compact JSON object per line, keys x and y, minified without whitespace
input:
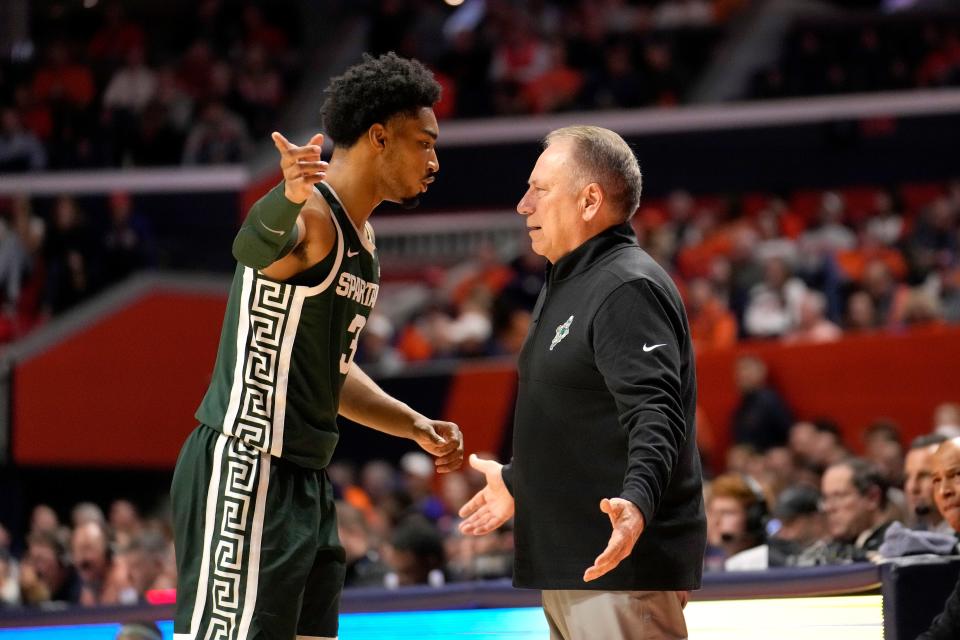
{"x":279,"y":233}
{"x":646,"y":348}
{"x":350,"y":254}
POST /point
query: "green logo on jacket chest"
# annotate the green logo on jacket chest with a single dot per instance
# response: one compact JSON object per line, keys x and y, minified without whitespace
{"x":562,"y":332}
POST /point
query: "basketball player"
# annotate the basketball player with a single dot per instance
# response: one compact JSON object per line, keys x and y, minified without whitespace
{"x":255,"y":526}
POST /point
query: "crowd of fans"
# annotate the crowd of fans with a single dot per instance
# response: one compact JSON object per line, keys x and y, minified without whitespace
{"x":100,"y":87}
{"x":397,"y":526}
{"x":808,"y":268}
{"x":883,"y":54}
{"x":503,"y":58}
{"x":802,"y":499}
{"x":50,"y":262}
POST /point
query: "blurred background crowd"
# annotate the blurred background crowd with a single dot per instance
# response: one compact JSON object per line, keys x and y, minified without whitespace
{"x":792,"y":494}
{"x":805,"y":267}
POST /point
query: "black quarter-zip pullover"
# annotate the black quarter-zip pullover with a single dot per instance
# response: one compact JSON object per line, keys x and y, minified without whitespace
{"x":605,"y":408}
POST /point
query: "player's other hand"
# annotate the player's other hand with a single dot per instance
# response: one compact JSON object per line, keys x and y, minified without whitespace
{"x":442,"y":440}
{"x":302,"y":167}
{"x":492,"y":505}
{"x":628,"y":524}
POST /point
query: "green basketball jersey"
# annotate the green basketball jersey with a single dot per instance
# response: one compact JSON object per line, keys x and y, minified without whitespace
{"x":286,"y":347}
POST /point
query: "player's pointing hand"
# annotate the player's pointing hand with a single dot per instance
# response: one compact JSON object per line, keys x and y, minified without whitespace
{"x":302,"y":167}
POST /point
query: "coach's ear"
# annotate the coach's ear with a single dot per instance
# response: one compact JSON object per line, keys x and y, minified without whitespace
{"x":590,"y":201}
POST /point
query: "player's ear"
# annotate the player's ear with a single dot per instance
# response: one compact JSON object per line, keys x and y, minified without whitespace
{"x":377,"y":136}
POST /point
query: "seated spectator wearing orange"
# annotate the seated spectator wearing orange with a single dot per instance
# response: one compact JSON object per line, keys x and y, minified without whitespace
{"x":712,"y":325}
{"x":62,"y":80}
{"x":557,"y":87}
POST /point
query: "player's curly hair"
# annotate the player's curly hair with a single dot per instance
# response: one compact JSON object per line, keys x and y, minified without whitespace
{"x":374,"y":91}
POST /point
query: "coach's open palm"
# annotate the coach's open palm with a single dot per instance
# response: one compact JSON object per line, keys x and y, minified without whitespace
{"x":627,"y":523}
{"x":492,"y":506}
{"x":302,"y":167}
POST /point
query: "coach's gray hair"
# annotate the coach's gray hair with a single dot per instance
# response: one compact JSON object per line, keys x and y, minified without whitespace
{"x":602,"y":156}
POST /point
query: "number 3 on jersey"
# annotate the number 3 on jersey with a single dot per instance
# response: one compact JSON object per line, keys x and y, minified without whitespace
{"x":355,"y":327}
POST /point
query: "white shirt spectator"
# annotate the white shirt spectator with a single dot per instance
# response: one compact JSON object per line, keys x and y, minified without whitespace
{"x":131,"y":88}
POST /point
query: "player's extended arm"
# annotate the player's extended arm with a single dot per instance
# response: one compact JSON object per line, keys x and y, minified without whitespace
{"x":363,"y":401}
{"x":272,"y":229}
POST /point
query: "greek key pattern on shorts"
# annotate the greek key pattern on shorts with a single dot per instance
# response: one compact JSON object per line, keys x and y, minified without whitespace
{"x":229,"y":561}
{"x":267,"y":321}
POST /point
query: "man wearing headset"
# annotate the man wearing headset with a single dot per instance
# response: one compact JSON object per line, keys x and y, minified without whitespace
{"x":736,"y":517}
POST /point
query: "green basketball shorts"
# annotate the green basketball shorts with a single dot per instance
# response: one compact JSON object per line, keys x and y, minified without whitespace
{"x":258,"y":556}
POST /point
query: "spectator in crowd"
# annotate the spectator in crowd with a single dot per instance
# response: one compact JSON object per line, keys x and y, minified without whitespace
{"x":102,"y":576}
{"x":9,"y":580}
{"x":218,"y":137}
{"x":44,"y":518}
{"x":885,"y":225}
{"x":20,"y":149}
{"x":132,"y":86}
{"x":762,"y":418}
{"x":415,"y":555}
{"x":922,"y":512}
{"x":828,"y":447}
{"x":147,"y":559}
{"x":883,"y":449}
{"x":946,"y":419}
{"x":934,"y":239}
{"x":887,"y":295}
{"x":774,"y":305}
{"x":84,"y":512}
{"x":376,"y":351}
{"x":946,"y":493}
{"x":855,"y":504}
{"x":418,"y":476}
{"x":801,"y":522}
{"x":67,"y":257}
{"x":861,"y":315}
{"x":46,"y":575}
{"x":802,"y":440}
{"x":831,"y":233}
{"x":483,"y":557}
{"x":14,"y":268}
{"x":260,"y":90}
{"x":116,"y":38}
{"x":127,"y":244}
{"x":812,"y":325}
{"x":736,"y":518}
{"x":365,"y":568}
{"x":712,"y":325}
{"x":799,"y":525}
